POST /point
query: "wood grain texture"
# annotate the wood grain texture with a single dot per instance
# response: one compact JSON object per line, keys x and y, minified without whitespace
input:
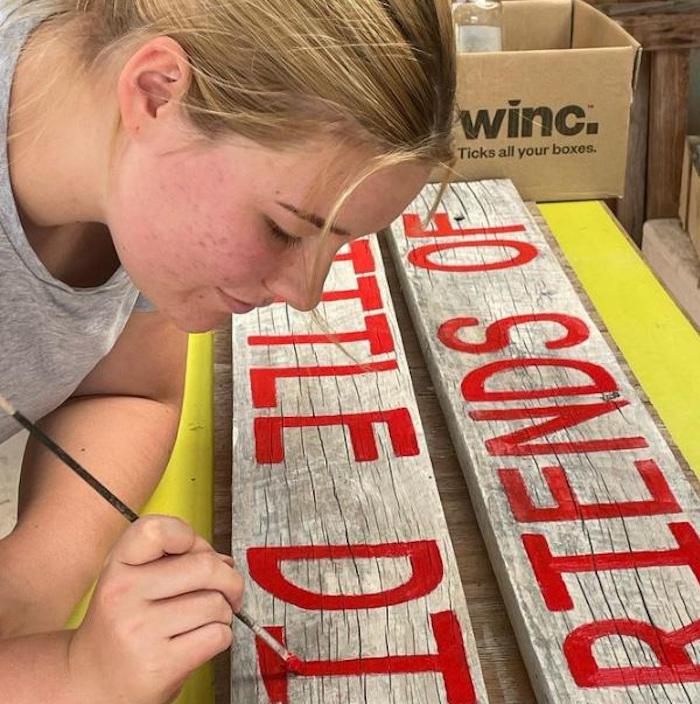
{"x":668,"y":120}
{"x":504,"y":673}
{"x":657,"y":25}
{"x":646,"y":7}
{"x":576,"y":529}
{"x":333,"y":483}
{"x":501,"y":663}
{"x":223,"y":419}
{"x":664,"y":31}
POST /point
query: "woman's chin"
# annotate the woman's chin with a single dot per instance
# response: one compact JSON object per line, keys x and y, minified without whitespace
{"x":197,"y":321}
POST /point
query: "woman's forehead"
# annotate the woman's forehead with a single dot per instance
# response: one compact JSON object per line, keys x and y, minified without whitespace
{"x":375,"y":202}
{"x":311,"y":177}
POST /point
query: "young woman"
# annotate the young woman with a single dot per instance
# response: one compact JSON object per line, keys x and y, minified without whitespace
{"x":163,"y":164}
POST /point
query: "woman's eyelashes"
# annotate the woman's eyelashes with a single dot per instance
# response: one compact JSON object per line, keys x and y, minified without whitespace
{"x":279,"y":234}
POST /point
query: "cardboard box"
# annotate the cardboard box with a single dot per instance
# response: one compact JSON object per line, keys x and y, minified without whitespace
{"x":551,"y":111}
{"x":689,"y":201}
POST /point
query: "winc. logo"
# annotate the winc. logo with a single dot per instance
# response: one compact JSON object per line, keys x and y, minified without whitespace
{"x":568,"y":121}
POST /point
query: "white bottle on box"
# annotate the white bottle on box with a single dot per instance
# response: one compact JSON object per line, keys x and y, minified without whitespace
{"x":477,"y":25}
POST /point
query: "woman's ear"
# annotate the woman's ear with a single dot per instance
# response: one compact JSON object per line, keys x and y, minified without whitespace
{"x":152,"y":83}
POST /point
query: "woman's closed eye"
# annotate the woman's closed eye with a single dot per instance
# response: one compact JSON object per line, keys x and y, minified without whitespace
{"x":279,"y":234}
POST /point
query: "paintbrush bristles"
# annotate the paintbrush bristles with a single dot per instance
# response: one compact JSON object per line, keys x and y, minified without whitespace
{"x":6,"y":406}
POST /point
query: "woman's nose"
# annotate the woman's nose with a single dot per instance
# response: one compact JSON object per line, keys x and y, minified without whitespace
{"x":302,"y":293}
{"x":300,"y":283}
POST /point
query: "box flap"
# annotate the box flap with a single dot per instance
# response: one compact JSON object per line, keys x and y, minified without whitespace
{"x":637,"y":68}
{"x":536,"y":24}
{"x":593,"y":29}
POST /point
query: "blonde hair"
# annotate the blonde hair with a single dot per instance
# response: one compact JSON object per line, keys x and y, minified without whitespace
{"x":379,"y":73}
{"x":275,"y":71}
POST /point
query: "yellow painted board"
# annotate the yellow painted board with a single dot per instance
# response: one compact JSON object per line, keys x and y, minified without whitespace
{"x":186,"y":489}
{"x":658,"y":342}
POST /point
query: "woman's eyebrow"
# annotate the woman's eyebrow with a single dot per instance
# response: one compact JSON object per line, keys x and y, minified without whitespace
{"x":313,"y":219}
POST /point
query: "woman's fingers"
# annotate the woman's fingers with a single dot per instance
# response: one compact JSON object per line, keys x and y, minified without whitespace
{"x":163,"y":604}
{"x":226,"y":559}
{"x":191,"y":649}
{"x":187,"y":612}
{"x":180,"y":574}
{"x":152,"y":537}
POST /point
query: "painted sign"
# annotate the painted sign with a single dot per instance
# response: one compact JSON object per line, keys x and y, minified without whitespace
{"x":590,"y":521}
{"x":337,"y":522}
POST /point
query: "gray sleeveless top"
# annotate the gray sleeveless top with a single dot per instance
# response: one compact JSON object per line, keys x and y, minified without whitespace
{"x":51,"y":335}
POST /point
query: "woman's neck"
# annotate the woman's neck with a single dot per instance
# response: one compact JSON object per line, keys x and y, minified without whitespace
{"x":59,"y":135}
{"x":58,"y":153}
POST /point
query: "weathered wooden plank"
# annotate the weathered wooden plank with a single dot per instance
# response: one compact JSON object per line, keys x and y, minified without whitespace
{"x":668,"y":120}
{"x":647,"y":7}
{"x":505,"y":676}
{"x":671,"y":256}
{"x":337,"y":522}
{"x":223,"y":403}
{"x":658,"y":25}
{"x":664,"y":32}
{"x":587,"y":514}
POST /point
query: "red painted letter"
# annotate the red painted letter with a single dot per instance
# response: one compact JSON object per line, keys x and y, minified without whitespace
{"x":443,"y":228}
{"x":549,"y":568}
{"x":560,"y":417}
{"x":262,"y":381}
{"x":567,"y":506}
{"x":269,"y":448}
{"x":450,"y":661}
{"x":674,"y":666}
{"x":377,"y":333}
{"x":474,"y":383}
{"x":360,"y":255}
{"x":424,"y":556}
{"x":497,"y":337}
{"x":525,"y":253}
{"x":367,"y":291}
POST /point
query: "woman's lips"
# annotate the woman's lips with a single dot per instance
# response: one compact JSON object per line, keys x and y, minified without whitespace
{"x":234,"y":305}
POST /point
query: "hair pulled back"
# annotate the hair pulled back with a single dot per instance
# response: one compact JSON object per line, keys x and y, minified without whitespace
{"x":280,"y":71}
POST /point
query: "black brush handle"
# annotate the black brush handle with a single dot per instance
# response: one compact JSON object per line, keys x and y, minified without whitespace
{"x":100,"y":488}
{"x":130,"y":515}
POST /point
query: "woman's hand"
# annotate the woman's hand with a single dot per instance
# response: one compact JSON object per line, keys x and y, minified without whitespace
{"x":162,"y":607}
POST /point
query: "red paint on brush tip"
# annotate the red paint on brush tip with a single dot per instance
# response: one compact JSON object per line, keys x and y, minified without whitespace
{"x":275,"y":670}
{"x":294,"y":665}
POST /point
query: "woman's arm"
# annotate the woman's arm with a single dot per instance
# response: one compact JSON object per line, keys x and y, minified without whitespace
{"x":162,"y":607}
{"x":120,"y":424}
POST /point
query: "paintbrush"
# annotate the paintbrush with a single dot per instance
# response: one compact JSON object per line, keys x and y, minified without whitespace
{"x":292,"y":661}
